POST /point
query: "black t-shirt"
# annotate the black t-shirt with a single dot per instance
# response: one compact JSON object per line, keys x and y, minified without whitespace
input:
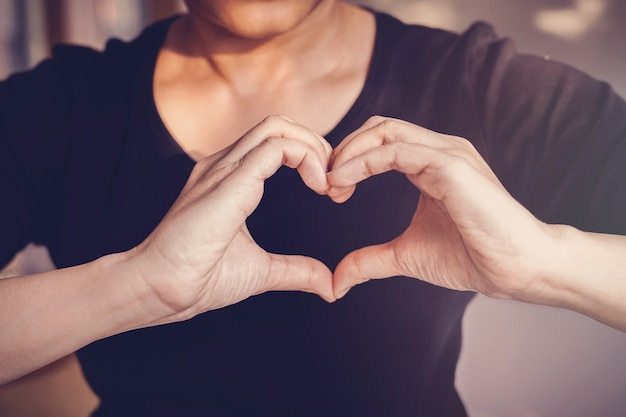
{"x":87,"y":168}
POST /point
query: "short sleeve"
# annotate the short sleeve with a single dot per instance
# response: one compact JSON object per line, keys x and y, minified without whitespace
{"x":556,"y":137}
{"x":34,"y":107}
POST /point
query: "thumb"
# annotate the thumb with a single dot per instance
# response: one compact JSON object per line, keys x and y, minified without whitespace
{"x":361,"y":265}
{"x":301,"y":273}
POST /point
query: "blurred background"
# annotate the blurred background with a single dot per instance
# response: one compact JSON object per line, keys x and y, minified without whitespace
{"x":518,"y":360}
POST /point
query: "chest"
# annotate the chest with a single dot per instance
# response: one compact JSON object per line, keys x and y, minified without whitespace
{"x":206,"y":118}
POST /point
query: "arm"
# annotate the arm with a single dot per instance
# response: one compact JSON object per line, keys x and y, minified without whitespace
{"x":469,"y":233}
{"x":201,"y":257}
{"x":46,"y":316}
{"x":588,"y":275}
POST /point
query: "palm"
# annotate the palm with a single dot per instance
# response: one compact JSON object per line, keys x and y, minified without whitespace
{"x":202,"y":257}
{"x":432,"y":249}
{"x":468,"y":232}
{"x":246,"y":275}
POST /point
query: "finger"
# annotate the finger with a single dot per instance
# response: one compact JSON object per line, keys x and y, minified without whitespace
{"x":215,"y":168}
{"x":369,"y":123}
{"x":300,"y":273}
{"x":240,"y":193}
{"x":279,"y":126}
{"x":402,"y":157}
{"x":378,"y":131}
{"x":434,"y":172}
{"x":227,"y":204}
{"x":371,"y":262}
{"x":473,"y":198}
{"x":342,"y":194}
{"x":275,"y":152}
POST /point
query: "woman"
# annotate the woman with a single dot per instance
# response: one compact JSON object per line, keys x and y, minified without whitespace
{"x":147,"y":185}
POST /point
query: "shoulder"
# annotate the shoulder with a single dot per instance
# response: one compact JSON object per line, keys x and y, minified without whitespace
{"x":435,"y":71}
{"x":427,"y":58}
{"x":61,"y":92}
{"x":413,"y":38}
{"x":116,"y":59}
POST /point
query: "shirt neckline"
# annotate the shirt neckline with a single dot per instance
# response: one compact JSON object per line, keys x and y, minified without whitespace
{"x":155,"y":37}
{"x":357,"y":113}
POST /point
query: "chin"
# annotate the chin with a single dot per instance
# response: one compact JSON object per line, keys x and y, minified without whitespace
{"x":253,"y":19}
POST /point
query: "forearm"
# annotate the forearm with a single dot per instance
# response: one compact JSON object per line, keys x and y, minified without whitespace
{"x":586,"y":273}
{"x":46,"y":316}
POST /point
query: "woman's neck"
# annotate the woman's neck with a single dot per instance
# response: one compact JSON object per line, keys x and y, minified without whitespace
{"x":312,"y":48}
{"x":210,"y":87}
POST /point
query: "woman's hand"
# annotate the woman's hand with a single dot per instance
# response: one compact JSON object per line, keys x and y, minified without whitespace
{"x":467,"y":233}
{"x":202,"y":257}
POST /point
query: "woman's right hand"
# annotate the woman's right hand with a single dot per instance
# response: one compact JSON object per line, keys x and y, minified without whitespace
{"x":201,"y":256}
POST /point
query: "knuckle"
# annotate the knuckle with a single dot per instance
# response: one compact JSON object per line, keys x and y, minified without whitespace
{"x":385,"y":124}
{"x":272,"y":140}
{"x":362,"y":270}
{"x":273,"y":119}
{"x":272,"y":123}
{"x":310,"y":281}
{"x":459,"y":167}
{"x":376,"y":119}
{"x":467,"y":151}
{"x":368,"y":168}
{"x":388,"y":127}
{"x":464,"y":144}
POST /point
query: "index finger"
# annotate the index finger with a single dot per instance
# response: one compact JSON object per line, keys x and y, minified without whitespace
{"x":241,"y":190}
{"x":278,"y":126}
{"x":378,"y":131}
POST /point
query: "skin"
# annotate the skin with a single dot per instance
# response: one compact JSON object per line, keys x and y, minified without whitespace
{"x":250,"y":20}
{"x":323,"y":51}
{"x":188,"y":264}
{"x":468,"y":233}
{"x":193,"y":263}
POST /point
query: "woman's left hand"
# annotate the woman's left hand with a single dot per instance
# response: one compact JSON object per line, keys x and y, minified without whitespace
{"x":468,"y":232}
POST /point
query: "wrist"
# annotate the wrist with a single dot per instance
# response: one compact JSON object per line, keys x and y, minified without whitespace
{"x":551,"y":283}
{"x":129,"y":300}
{"x":573,"y":271}
{"x":154,"y":287}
